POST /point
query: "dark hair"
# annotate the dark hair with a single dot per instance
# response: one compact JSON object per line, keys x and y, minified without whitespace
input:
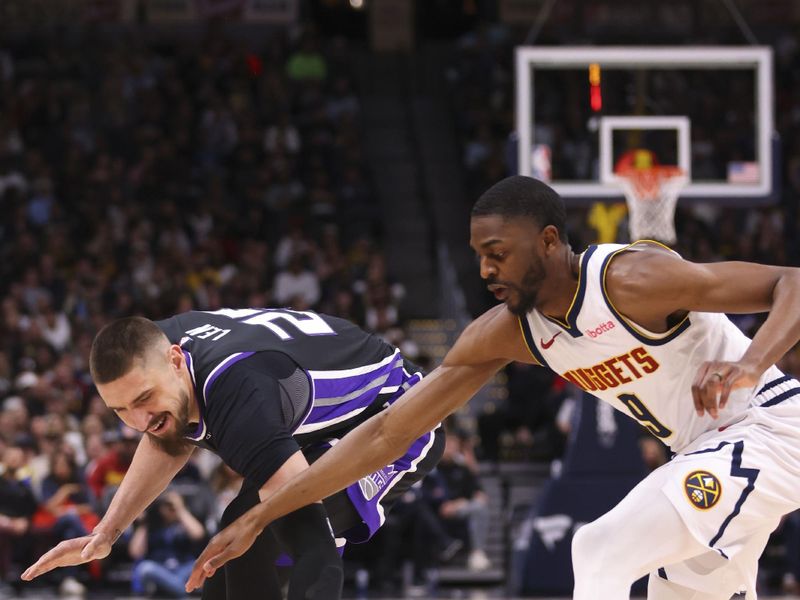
{"x":119,"y":344}
{"x":519,"y":196}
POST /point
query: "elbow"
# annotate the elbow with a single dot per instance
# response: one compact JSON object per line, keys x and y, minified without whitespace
{"x":393,"y":439}
{"x":787,"y":283}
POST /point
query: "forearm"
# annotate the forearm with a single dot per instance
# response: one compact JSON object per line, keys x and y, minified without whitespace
{"x":781,"y":331}
{"x":380,"y":440}
{"x":149,"y":474}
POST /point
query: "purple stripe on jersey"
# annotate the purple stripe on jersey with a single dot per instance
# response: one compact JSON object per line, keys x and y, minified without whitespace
{"x":326,"y":413}
{"x":367,"y":493}
{"x":195,"y":435}
{"x":341,"y":386}
{"x":221,"y":367}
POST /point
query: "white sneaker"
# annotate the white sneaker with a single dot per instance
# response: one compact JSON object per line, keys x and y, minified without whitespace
{"x":71,"y":587}
{"x":478,"y":561}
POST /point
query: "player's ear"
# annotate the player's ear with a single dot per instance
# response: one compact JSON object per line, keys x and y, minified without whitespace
{"x":175,"y":356}
{"x":550,"y":238}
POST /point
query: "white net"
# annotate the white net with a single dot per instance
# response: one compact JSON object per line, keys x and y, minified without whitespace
{"x":652,"y":195}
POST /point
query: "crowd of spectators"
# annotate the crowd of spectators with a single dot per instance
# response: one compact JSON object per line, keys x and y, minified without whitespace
{"x":154,"y":177}
{"x":147,"y":176}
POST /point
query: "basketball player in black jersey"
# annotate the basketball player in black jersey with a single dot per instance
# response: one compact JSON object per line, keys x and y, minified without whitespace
{"x":268,"y":390}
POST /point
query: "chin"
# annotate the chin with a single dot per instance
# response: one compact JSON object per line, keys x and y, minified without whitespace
{"x":516,"y":309}
{"x":521,"y":307}
{"x":172,"y":445}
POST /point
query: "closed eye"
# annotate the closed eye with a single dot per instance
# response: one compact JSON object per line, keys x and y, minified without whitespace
{"x":138,"y":401}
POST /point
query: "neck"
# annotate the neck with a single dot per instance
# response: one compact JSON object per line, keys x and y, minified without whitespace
{"x":194,"y":410}
{"x":563,"y":286}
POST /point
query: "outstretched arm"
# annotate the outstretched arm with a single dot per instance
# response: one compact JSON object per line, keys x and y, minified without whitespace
{"x":150,"y":472}
{"x":486,"y":345}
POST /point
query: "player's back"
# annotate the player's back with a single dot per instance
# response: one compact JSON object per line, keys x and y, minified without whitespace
{"x":351,"y":372}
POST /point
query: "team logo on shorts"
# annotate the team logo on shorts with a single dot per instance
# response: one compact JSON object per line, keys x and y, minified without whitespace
{"x":372,"y":484}
{"x":703,"y":489}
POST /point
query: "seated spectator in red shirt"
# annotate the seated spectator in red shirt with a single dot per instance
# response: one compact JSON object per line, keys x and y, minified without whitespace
{"x":109,"y":470}
{"x":66,"y":512}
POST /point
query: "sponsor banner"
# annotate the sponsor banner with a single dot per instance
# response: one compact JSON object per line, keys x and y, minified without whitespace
{"x":109,"y":11}
{"x":279,"y":12}
{"x":41,"y":13}
{"x":208,"y":9}
{"x":526,"y":13}
{"x":170,"y":11}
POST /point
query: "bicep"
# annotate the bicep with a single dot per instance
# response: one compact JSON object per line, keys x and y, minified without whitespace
{"x":732,"y":287}
{"x":666,"y":283}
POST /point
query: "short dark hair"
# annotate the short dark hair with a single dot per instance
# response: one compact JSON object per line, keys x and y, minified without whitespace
{"x":119,"y":344}
{"x":519,"y":196}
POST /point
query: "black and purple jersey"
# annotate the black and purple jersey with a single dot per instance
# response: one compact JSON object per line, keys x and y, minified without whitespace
{"x":307,"y":376}
{"x":270,"y":382}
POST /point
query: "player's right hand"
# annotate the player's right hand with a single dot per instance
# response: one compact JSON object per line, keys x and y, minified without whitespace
{"x":71,"y":552}
{"x":714,"y":382}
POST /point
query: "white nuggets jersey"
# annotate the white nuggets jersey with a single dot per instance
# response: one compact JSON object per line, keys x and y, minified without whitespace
{"x":643,"y":374}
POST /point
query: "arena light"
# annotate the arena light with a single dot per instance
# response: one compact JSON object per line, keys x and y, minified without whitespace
{"x":357,"y":4}
{"x":595,"y":94}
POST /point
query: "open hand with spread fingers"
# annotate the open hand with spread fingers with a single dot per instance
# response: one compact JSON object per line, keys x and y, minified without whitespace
{"x":71,"y":552}
{"x":714,"y":382}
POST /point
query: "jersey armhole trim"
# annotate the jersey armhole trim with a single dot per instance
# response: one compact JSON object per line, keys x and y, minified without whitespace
{"x":527,"y":337}
{"x":629,"y":325}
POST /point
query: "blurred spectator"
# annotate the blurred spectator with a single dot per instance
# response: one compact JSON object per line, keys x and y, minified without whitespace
{"x":282,"y":137}
{"x":164,"y":546}
{"x":17,"y":505}
{"x":306,"y":63}
{"x":225,"y":483}
{"x":465,"y":505}
{"x":297,"y":286}
{"x":65,"y":512}
{"x":108,"y":471}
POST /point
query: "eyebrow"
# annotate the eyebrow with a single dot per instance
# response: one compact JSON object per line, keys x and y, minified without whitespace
{"x":142,"y":395}
{"x":491,"y":242}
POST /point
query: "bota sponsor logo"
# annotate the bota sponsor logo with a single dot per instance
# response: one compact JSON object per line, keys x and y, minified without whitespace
{"x":600,"y":330}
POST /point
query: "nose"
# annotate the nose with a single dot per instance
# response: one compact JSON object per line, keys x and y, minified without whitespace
{"x":138,"y":419}
{"x":488,"y":269}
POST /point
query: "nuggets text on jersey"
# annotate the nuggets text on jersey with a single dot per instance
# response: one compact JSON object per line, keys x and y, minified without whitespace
{"x":615,"y":371}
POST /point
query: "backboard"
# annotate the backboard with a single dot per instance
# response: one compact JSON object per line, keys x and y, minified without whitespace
{"x":707,"y":109}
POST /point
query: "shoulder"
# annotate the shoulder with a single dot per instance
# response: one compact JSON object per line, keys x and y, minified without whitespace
{"x":494,"y":335}
{"x":639,"y":266}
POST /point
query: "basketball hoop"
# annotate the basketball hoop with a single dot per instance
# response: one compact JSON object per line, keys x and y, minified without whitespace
{"x":651,"y":191}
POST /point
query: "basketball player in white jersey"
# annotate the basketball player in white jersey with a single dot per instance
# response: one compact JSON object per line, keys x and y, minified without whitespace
{"x":645,"y":331}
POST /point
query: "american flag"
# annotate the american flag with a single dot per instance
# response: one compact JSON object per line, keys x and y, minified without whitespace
{"x":743,"y":172}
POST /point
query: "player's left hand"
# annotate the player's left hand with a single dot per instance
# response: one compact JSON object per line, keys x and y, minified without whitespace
{"x":230,"y":543}
{"x":714,"y":382}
